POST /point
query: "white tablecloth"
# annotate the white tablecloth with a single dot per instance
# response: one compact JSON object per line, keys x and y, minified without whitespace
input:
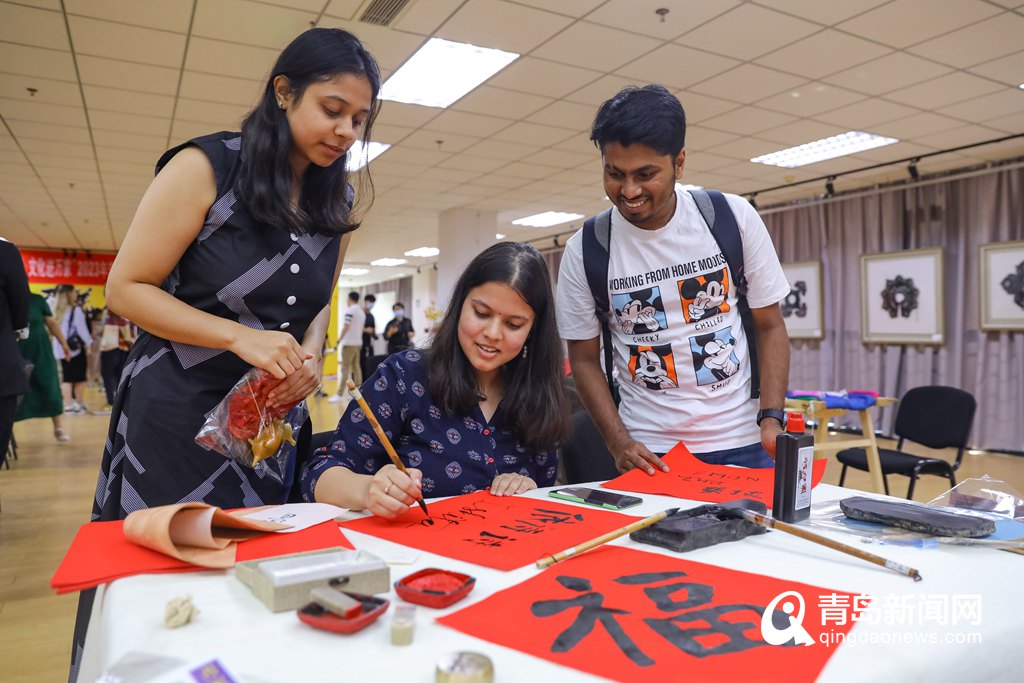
{"x":234,"y":625}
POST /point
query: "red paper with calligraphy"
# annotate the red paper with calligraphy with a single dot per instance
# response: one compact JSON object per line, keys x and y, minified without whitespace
{"x":58,"y":267}
{"x":503,"y":532}
{"x":692,"y":479}
{"x":630,"y":615}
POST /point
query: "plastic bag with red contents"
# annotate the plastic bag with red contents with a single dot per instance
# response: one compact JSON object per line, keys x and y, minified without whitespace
{"x":241,"y":427}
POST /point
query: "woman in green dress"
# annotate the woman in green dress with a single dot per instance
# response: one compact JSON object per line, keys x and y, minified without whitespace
{"x":43,"y":398}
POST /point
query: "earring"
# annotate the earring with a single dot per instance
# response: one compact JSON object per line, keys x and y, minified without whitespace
{"x":524,"y":352}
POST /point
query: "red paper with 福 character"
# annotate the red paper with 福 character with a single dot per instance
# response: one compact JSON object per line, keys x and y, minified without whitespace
{"x":630,"y":615}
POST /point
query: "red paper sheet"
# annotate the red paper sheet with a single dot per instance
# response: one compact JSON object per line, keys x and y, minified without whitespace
{"x":503,"y":532}
{"x":100,"y":553}
{"x":695,"y":480}
{"x":631,"y":615}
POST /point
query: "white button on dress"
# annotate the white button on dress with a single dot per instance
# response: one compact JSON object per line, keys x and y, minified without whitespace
{"x":285,"y":325}
{"x":290,"y":300}
{"x":295,"y":268}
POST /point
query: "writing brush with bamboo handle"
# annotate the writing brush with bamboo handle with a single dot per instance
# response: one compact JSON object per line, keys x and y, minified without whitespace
{"x":601,"y":540}
{"x":771,"y":523}
{"x":354,"y":390}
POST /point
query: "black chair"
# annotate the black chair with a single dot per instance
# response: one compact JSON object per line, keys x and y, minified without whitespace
{"x":933,"y":416}
{"x":584,"y":455}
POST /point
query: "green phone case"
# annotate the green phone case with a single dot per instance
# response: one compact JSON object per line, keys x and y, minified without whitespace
{"x":566,"y":496}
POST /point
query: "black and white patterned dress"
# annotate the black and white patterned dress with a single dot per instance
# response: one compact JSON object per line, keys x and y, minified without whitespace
{"x":255,"y":274}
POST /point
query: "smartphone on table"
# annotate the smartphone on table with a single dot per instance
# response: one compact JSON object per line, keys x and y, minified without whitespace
{"x":601,"y":499}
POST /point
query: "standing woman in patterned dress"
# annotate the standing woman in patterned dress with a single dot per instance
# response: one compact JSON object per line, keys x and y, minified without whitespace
{"x":229,"y":264}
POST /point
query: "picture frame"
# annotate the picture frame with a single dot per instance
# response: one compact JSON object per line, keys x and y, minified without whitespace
{"x":902,"y":297}
{"x":1001,"y":268}
{"x":803,"y":307}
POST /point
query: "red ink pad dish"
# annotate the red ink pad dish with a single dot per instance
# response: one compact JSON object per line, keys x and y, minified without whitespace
{"x":318,"y":617}
{"x":434,"y":587}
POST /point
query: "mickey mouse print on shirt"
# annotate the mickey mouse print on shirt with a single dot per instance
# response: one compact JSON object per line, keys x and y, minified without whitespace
{"x":714,"y":356}
{"x":653,"y":367}
{"x":704,"y":296}
{"x":640,"y":312}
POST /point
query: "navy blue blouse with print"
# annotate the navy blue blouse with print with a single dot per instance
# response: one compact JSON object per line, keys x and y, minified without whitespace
{"x":457,"y":454}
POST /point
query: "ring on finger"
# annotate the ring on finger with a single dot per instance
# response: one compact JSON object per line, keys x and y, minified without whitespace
{"x":387,"y":490}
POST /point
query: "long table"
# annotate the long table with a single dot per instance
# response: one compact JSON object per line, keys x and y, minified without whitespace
{"x":262,"y":646}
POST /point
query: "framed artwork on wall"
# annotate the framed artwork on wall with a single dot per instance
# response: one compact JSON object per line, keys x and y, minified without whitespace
{"x":901,"y":297}
{"x":1002,"y":286}
{"x":802,"y":309}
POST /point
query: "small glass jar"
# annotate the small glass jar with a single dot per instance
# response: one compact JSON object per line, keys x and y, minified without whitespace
{"x":403,"y":624}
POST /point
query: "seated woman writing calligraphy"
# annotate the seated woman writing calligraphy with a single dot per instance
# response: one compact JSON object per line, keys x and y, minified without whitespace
{"x":483,"y":406}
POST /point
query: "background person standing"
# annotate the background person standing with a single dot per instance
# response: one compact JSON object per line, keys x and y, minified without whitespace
{"x":351,"y":342}
{"x":399,"y":332}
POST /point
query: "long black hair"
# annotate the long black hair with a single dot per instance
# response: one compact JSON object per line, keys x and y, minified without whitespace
{"x":265,"y":178}
{"x":535,"y":404}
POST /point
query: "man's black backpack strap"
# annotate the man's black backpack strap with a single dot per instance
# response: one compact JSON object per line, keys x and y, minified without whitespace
{"x":597,"y":237}
{"x":718,"y":215}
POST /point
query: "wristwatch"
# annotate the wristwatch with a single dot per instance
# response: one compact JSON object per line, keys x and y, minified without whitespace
{"x":771,"y":412}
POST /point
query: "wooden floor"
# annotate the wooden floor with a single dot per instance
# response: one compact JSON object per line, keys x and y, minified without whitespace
{"x":47,"y":494}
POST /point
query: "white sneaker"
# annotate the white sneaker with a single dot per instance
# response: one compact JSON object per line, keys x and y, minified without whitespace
{"x":336,"y":398}
{"x":61,"y":435}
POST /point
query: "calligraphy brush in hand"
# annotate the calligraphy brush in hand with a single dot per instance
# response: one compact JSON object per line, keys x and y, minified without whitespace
{"x":354,"y":390}
{"x":601,"y":540}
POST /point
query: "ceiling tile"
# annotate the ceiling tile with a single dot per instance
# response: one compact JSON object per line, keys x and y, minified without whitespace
{"x":566,"y":115}
{"x":501,"y":25}
{"x":944,"y":90}
{"x":15,"y":87}
{"x":185,"y":130}
{"x":904,"y":22}
{"x":166,"y":15}
{"x":823,"y":53}
{"x":559,"y":158}
{"x":467,"y":162}
{"x":698,"y":137}
{"x":509,"y":151}
{"x":50,"y":146}
{"x":437,"y":141}
{"x":49,"y":131}
{"x":263,"y":25}
{"x":995,"y":105}
{"x":701,"y":107}
{"x":116,"y":73}
{"x":748,"y":31}
{"x":542,"y":77}
{"x":519,"y":169}
{"x":228,"y":115}
{"x":465,"y":123}
{"x":33,"y":61}
{"x":827,"y":13}
{"x":978,"y":43}
{"x":155,"y":145}
{"x":894,"y":71}
{"x":346,"y":9}
{"x":1014,"y":123}
{"x":864,"y":115}
{"x":572,"y":8}
{"x":676,"y":66}
{"x":1009,"y":69}
{"x":601,"y":90}
{"x":533,"y":133}
{"x":33,"y":26}
{"x":956,"y":137}
{"x":639,"y":16}
{"x":748,"y":83}
{"x":916,"y":125}
{"x":747,"y":121}
{"x":218,"y":57}
{"x":424,"y":18}
{"x":41,"y":112}
{"x":497,"y":102}
{"x":223,"y":89}
{"x":383,"y":132}
{"x":406,"y":115}
{"x":129,"y":43}
{"x":811,"y":99}
{"x":109,"y":99}
{"x":591,"y":46}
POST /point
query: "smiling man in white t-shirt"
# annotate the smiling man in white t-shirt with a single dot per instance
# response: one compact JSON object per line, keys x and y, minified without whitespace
{"x":679,"y":347}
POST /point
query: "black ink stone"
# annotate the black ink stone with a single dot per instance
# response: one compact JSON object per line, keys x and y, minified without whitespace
{"x":916,"y":518}
{"x":702,"y":526}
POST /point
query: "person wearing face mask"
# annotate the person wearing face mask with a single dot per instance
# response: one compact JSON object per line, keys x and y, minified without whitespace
{"x":462,"y":414}
{"x":399,"y":332}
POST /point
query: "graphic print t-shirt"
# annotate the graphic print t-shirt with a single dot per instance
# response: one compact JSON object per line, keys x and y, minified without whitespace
{"x":679,"y":346}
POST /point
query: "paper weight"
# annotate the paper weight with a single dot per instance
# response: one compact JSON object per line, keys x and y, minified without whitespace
{"x":464,"y":667}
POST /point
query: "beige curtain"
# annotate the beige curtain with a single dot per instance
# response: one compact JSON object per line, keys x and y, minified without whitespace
{"x":959,"y":215}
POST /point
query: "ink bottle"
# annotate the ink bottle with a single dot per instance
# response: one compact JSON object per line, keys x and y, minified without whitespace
{"x":403,"y":623}
{"x":794,"y":458}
